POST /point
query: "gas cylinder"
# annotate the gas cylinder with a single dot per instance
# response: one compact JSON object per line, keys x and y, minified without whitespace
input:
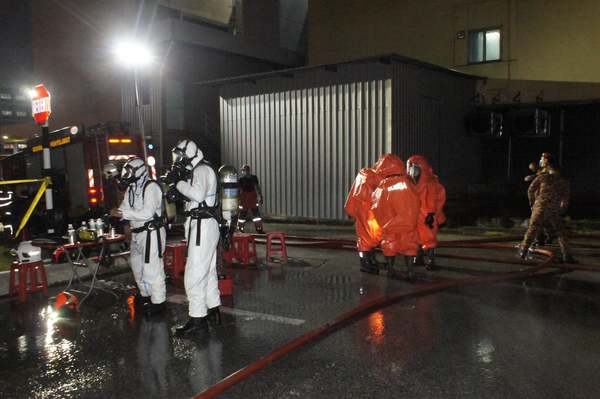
{"x":228,"y":182}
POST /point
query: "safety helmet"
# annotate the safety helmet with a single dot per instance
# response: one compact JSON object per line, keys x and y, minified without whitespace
{"x":110,"y":171}
{"x":184,"y":154}
{"x":133,"y":170}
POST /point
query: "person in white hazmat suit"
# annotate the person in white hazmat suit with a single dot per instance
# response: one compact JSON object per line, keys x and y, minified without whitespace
{"x":199,"y":188}
{"x":142,"y":207}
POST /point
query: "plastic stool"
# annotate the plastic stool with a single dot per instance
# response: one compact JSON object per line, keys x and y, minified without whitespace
{"x":27,"y":283}
{"x":174,"y":259}
{"x":244,"y":248}
{"x":229,"y":255}
{"x":271,"y":250}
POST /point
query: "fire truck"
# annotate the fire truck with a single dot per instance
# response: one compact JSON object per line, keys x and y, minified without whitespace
{"x":78,"y":157}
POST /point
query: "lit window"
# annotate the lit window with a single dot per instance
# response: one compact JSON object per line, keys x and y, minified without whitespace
{"x":484,"y":45}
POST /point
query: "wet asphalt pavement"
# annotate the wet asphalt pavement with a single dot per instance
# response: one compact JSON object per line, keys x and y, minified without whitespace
{"x":520,"y":340}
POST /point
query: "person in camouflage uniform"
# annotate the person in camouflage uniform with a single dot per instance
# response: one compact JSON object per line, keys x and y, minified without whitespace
{"x":549,"y":199}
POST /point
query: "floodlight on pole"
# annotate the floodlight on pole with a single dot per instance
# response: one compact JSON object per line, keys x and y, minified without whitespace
{"x":135,"y":55}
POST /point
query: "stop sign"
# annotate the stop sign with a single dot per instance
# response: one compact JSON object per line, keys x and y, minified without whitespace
{"x":40,"y":105}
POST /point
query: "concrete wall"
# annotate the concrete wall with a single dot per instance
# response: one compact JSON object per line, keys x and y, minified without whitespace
{"x":542,"y":40}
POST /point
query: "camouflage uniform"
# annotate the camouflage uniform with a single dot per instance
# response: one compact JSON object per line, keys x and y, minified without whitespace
{"x":549,"y":198}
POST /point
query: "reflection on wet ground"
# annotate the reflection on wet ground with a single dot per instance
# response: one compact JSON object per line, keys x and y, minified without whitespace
{"x":510,"y":340}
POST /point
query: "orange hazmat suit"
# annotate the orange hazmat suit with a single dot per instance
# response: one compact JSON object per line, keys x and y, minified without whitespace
{"x":395,"y":204}
{"x":432,"y":195}
{"x":358,"y":207}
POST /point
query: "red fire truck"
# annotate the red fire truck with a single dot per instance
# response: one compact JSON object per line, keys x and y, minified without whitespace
{"x":78,"y":158}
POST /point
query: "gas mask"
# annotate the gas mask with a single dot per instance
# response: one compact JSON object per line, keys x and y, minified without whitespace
{"x":132,"y":171}
{"x":414,"y":171}
{"x":184,"y":154}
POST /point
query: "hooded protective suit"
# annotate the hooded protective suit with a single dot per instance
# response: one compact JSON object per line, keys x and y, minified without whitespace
{"x":142,"y":202}
{"x":358,"y":207}
{"x":200,"y":280}
{"x":432,"y":195}
{"x":396,"y":207}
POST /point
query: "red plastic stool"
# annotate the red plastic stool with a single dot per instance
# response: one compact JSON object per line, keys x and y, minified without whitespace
{"x":27,"y":283}
{"x":229,"y":255}
{"x":174,"y":259}
{"x":244,"y":248}
{"x":271,"y":250}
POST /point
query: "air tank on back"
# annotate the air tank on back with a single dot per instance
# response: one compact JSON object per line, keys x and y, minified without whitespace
{"x":228,"y":182}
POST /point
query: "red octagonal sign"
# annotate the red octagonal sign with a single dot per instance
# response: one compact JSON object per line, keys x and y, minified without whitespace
{"x":40,"y":105}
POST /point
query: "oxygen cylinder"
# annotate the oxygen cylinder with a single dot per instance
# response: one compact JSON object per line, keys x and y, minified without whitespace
{"x":228,"y":182}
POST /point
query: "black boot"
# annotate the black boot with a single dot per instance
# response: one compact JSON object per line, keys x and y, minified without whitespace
{"x":373,"y":260}
{"x":214,"y":316}
{"x":194,"y":326}
{"x":140,"y":302}
{"x":430,"y":262}
{"x":365,"y":265}
{"x":152,"y":309}
{"x":523,"y":252}
{"x":567,"y":258}
{"x":409,"y":261}
{"x":419,"y":261}
{"x":389,"y":263}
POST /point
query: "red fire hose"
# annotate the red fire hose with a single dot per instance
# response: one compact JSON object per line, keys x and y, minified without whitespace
{"x":376,"y":303}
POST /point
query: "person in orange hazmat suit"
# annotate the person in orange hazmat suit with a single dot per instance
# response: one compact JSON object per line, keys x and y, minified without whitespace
{"x":396,"y":209}
{"x":433,"y":197}
{"x":358,"y":207}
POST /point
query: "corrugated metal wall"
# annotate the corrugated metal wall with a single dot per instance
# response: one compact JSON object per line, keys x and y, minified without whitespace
{"x":429,"y":107}
{"x":306,"y":145}
{"x":307,"y":132}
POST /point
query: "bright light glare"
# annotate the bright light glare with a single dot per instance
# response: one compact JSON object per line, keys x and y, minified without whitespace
{"x":28,"y":92}
{"x":5,"y":137}
{"x":151,"y":160}
{"x":132,"y":54}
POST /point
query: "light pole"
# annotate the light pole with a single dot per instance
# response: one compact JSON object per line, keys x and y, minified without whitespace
{"x":135,"y":55}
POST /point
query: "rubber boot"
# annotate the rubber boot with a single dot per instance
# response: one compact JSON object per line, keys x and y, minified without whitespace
{"x":365,"y":265}
{"x":153,"y":309}
{"x":389,"y":262}
{"x":194,"y":326}
{"x":372,"y":258}
{"x":214,"y":316}
{"x":410,"y":272}
{"x":430,"y":262}
{"x":419,"y":259}
{"x":140,"y":302}
{"x":523,"y":252}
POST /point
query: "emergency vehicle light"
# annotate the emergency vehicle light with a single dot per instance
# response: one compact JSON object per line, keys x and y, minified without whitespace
{"x":122,"y":141}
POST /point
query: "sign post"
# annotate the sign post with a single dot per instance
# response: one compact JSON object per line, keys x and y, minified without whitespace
{"x":40,"y":109}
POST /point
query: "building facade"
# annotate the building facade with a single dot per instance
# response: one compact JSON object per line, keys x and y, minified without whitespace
{"x":540,"y":85}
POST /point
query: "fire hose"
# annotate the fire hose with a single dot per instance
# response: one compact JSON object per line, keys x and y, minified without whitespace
{"x":534,"y":270}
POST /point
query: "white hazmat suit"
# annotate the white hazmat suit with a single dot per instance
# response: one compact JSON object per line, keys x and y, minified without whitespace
{"x":139,"y":207}
{"x":201,"y":281}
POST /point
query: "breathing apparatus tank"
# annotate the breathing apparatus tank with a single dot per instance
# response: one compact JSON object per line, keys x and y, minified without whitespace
{"x":228,"y":182}
{"x":229,"y":200}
